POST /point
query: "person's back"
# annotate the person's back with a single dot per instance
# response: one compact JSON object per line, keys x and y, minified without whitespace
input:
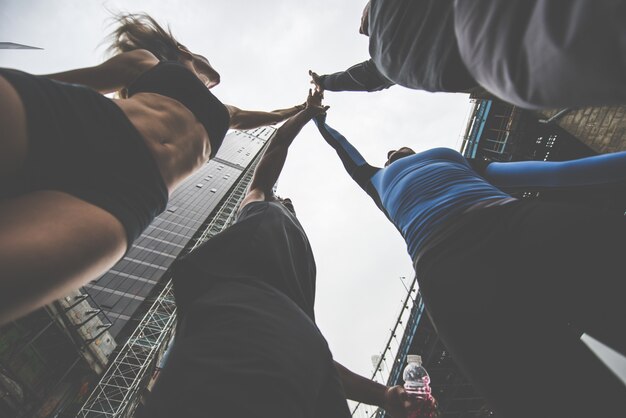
{"x":267,"y":243}
{"x":413,"y":43}
{"x":246,"y":322}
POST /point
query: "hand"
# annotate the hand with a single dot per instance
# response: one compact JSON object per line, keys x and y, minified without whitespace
{"x":399,"y":405}
{"x":315,"y":80}
{"x":314,"y":103}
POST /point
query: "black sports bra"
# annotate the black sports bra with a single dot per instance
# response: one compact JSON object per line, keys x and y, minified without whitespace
{"x":174,"y":80}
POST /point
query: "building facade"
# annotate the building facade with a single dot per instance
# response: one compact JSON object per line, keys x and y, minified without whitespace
{"x":50,"y":360}
{"x":498,"y":131}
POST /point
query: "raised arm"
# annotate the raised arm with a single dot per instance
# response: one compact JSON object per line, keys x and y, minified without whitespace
{"x":360,"y":389}
{"x":354,"y":163}
{"x":250,"y":119}
{"x":606,"y":170}
{"x":360,"y":77}
{"x":269,"y":168}
{"x":112,"y":75}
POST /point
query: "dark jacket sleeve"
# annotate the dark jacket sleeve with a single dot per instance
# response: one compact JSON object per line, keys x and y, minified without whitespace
{"x":360,"y":77}
{"x":354,"y":163}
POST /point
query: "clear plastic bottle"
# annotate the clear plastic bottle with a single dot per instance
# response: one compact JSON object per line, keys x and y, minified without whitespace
{"x":417,"y":386}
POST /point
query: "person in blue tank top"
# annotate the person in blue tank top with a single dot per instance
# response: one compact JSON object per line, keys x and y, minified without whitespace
{"x":511,"y":284}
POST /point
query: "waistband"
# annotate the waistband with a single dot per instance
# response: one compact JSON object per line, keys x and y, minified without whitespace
{"x":472,"y":214}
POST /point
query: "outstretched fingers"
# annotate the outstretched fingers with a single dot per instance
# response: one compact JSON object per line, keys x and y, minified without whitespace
{"x":315,"y":80}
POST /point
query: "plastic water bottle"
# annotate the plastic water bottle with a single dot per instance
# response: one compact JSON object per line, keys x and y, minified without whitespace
{"x":417,"y":386}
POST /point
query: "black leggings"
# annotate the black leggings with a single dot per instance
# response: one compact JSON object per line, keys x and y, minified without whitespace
{"x":512,"y":290}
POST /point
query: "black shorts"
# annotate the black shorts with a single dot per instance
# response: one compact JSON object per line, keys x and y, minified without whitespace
{"x":81,"y":143}
{"x":244,"y":350}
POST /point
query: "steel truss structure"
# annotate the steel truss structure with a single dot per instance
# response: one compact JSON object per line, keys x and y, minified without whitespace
{"x":457,"y":398}
{"x":390,"y":362}
{"x":119,"y":391}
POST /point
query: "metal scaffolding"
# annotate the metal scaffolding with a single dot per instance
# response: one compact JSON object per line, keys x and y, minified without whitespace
{"x":119,"y":391}
{"x":44,"y":355}
{"x":391,"y":360}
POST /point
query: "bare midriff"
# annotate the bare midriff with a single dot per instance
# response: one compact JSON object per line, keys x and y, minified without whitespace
{"x":177,"y":140}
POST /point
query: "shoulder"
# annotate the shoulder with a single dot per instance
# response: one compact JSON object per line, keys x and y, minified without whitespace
{"x":442,"y":153}
{"x":130,"y":65}
{"x":139,"y":59}
{"x":254,"y":195}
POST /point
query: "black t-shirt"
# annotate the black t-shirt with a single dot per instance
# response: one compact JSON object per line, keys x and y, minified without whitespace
{"x":266,"y":243}
{"x":247,"y":344}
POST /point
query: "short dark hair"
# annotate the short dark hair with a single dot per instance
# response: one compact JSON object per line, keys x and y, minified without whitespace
{"x":288,"y":206}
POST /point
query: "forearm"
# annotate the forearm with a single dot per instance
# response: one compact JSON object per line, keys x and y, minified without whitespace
{"x":112,"y":75}
{"x":275,"y":155}
{"x":360,"y":389}
{"x":360,"y":77}
{"x":352,"y":160}
{"x":288,"y":131}
{"x":89,"y":77}
{"x":283,"y":114}
{"x":250,"y":119}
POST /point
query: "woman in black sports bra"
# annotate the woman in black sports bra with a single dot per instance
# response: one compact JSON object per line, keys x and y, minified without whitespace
{"x":82,"y":175}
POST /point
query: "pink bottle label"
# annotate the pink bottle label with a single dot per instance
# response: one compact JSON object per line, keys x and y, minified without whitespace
{"x":425,"y":404}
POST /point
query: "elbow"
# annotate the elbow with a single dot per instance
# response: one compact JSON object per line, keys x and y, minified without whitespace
{"x":234,"y":114}
{"x":379,"y":87}
{"x":213,"y":79}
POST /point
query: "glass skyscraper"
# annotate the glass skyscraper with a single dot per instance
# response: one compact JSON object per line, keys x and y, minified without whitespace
{"x":122,"y":290}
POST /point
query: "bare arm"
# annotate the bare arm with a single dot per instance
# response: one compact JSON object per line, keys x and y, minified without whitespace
{"x":112,"y":75}
{"x":273,"y":160}
{"x":358,"y":388}
{"x":250,"y":119}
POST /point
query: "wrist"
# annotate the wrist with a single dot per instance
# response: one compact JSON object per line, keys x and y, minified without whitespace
{"x":385,"y":395}
{"x":310,"y":112}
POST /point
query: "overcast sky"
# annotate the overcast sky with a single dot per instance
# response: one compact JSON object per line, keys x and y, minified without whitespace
{"x":263,"y":51}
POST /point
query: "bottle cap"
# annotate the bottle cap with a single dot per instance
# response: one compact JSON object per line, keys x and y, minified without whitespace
{"x":414,"y":358}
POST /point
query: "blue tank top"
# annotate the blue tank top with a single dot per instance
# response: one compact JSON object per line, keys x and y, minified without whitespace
{"x":423,"y":192}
